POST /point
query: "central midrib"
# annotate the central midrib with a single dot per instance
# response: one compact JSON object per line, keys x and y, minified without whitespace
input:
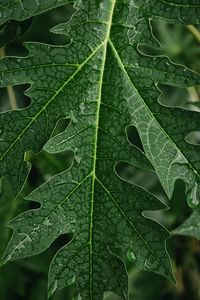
{"x":105,"y":44}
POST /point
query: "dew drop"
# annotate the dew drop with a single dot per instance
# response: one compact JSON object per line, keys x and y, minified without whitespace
{"x":131,"y":256}
{"x":192,"y":197}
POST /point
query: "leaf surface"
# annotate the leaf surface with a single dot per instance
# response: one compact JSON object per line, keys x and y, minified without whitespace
{"x":22,"y":9}
{"x":191,"y":226}
{"x":103,"y":82}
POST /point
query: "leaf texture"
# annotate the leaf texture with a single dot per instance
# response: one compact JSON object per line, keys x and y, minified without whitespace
{"x":103,"y":83}
{"x":191,"y":227}
{"x":22,"y":9}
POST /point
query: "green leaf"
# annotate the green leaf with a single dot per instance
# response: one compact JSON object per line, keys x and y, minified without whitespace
{"x":13,"y":30}
{"x":22,"y":9}
{"x":103,"y":82}
{"x":191,"y":227}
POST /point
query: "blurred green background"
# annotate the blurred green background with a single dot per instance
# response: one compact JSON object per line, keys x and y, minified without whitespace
{"x":27,"y":278}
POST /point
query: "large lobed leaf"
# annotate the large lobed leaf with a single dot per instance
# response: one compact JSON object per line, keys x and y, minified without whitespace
{"x":103,"y":83}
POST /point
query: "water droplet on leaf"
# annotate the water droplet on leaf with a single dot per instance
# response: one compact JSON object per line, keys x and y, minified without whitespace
{"x":131,"y":256}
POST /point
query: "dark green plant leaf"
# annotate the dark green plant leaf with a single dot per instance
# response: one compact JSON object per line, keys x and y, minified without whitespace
{"x":22,"y":9}
{"x":103,"y":83}
{"x":13,"y":30}
{"x":191,"y":227}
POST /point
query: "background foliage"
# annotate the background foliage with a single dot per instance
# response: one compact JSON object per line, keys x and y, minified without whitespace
{"x":27,"y":278}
